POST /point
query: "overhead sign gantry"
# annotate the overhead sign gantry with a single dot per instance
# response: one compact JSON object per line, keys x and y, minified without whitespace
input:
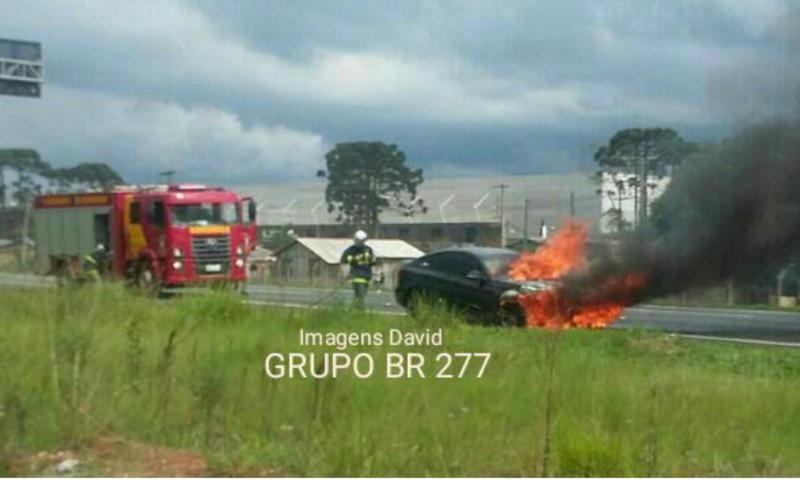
{"x":21,"y":68}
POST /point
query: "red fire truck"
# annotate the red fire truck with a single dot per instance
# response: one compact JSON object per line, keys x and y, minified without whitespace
{"x":158,"y":236}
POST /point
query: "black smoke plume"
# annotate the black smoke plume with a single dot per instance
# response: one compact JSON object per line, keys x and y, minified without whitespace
{"x":731,"y":210}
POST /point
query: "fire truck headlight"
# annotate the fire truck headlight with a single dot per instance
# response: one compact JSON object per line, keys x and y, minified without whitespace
{"x":239,"y":263}
{"x":239,"y":251}
{"x":177,"y":253}
{"x":177,"y":265}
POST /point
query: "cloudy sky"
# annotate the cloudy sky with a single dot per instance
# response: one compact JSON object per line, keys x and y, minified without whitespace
{"x":257,"y":91}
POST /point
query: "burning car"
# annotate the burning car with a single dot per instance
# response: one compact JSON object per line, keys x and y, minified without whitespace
{"x":474,"y":280}
{"x":537,"y":288}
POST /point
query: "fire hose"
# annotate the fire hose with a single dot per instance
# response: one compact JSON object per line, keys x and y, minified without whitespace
{"x":329,"y":294}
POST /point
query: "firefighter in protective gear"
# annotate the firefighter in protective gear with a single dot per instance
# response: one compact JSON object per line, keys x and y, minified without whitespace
{"x":95,"y":263}
{"x":360,"y":257}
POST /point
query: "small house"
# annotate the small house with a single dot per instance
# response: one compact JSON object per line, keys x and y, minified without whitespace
{"x":315,"y":261}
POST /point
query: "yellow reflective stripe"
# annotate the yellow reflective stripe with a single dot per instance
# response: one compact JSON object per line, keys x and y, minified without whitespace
{"x":89,"y":259}
{"x":210,"y":230}
{"x":360,"y":280}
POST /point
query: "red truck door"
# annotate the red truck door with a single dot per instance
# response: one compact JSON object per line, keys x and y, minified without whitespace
{"x":155,"y":224}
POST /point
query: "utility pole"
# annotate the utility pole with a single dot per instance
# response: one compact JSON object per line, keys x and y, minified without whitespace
{"x":2,"y":188}
{"x":572,"y":204}
{"x":644,"y":154}
{"x":502,"y":188}
{"x":314,"y":216}
{"x":21,"y":75}
{"x":26,"y":222}
{"x":525,"y":225}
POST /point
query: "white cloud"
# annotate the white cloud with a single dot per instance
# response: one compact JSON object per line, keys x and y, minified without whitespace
{"x":161,"y":83}
{"x":145,"y":137}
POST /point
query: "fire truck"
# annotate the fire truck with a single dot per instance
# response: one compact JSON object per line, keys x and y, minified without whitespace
{"x":156,"y":237}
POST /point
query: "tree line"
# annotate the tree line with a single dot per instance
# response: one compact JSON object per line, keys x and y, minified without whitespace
{"x":367,"y":178}
{"x":27,"y":165}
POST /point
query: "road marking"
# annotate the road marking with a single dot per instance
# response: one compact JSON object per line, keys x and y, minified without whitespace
{"x":740,"y":340}
{"x":714,"y":313}
{"x":712,"y":310}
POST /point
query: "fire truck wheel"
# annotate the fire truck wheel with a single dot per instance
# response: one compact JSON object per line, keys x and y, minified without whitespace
{"x":146,"y":280}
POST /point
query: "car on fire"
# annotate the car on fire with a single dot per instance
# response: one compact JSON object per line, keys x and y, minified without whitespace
{"x":473,"y":280}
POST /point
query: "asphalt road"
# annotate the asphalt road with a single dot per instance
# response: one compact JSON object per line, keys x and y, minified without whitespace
{"x":781,"y":328}
{"x":758,"y":325}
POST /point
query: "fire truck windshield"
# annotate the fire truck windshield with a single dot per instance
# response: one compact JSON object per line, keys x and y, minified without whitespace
{"x":205,"y":214}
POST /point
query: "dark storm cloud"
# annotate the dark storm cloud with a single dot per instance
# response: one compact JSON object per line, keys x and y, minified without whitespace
{"x":269,"y":86}
{"x":643,"y":46}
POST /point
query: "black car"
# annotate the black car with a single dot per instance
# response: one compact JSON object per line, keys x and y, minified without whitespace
{"x":470,"y":279}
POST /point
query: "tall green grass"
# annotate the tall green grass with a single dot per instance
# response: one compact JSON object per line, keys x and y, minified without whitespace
{"x":77,"y":364}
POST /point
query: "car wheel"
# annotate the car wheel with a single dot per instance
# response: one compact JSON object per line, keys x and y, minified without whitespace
{"x":511,"y":316}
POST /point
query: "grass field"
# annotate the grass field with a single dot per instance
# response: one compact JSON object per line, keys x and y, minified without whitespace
{"x":188,"y":373}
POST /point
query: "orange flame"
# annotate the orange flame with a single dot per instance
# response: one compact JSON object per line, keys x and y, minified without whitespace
{"x":562,"y":254}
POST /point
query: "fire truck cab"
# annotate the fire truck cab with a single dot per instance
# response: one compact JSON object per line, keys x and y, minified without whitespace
{"x":159,"y":236}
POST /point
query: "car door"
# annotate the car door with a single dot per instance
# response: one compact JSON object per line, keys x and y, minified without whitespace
{"x":474,"y":284}
{"x":431,"y":276}
{"x":484,"y":291}
{"x":447,"y":279}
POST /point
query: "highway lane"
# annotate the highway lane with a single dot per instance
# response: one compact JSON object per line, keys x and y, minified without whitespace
{"x":743,"y":324}
{"x":763,"y":325}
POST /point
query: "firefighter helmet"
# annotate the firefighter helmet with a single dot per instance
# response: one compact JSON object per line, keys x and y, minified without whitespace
{"x":360,"y":236}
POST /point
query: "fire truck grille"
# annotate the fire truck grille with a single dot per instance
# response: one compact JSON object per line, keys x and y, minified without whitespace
{"x":212,"y":254}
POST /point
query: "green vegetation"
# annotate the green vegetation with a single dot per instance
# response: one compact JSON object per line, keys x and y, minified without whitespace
{"x":27,"y":164}
{"x":367,"y":178}
{"x":188,"y":373}
{"x":630,"y":156}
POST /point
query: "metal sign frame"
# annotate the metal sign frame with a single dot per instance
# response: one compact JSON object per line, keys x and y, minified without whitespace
{"x":21,"y":68}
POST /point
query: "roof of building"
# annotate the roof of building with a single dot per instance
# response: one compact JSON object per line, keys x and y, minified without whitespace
{"x":451,"y":200}
{"x":330,"y":249}
{"x":261,"y":254}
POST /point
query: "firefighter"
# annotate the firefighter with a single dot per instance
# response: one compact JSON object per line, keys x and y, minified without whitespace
{"x":95,"y":263}
{"x":360,"y":258}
